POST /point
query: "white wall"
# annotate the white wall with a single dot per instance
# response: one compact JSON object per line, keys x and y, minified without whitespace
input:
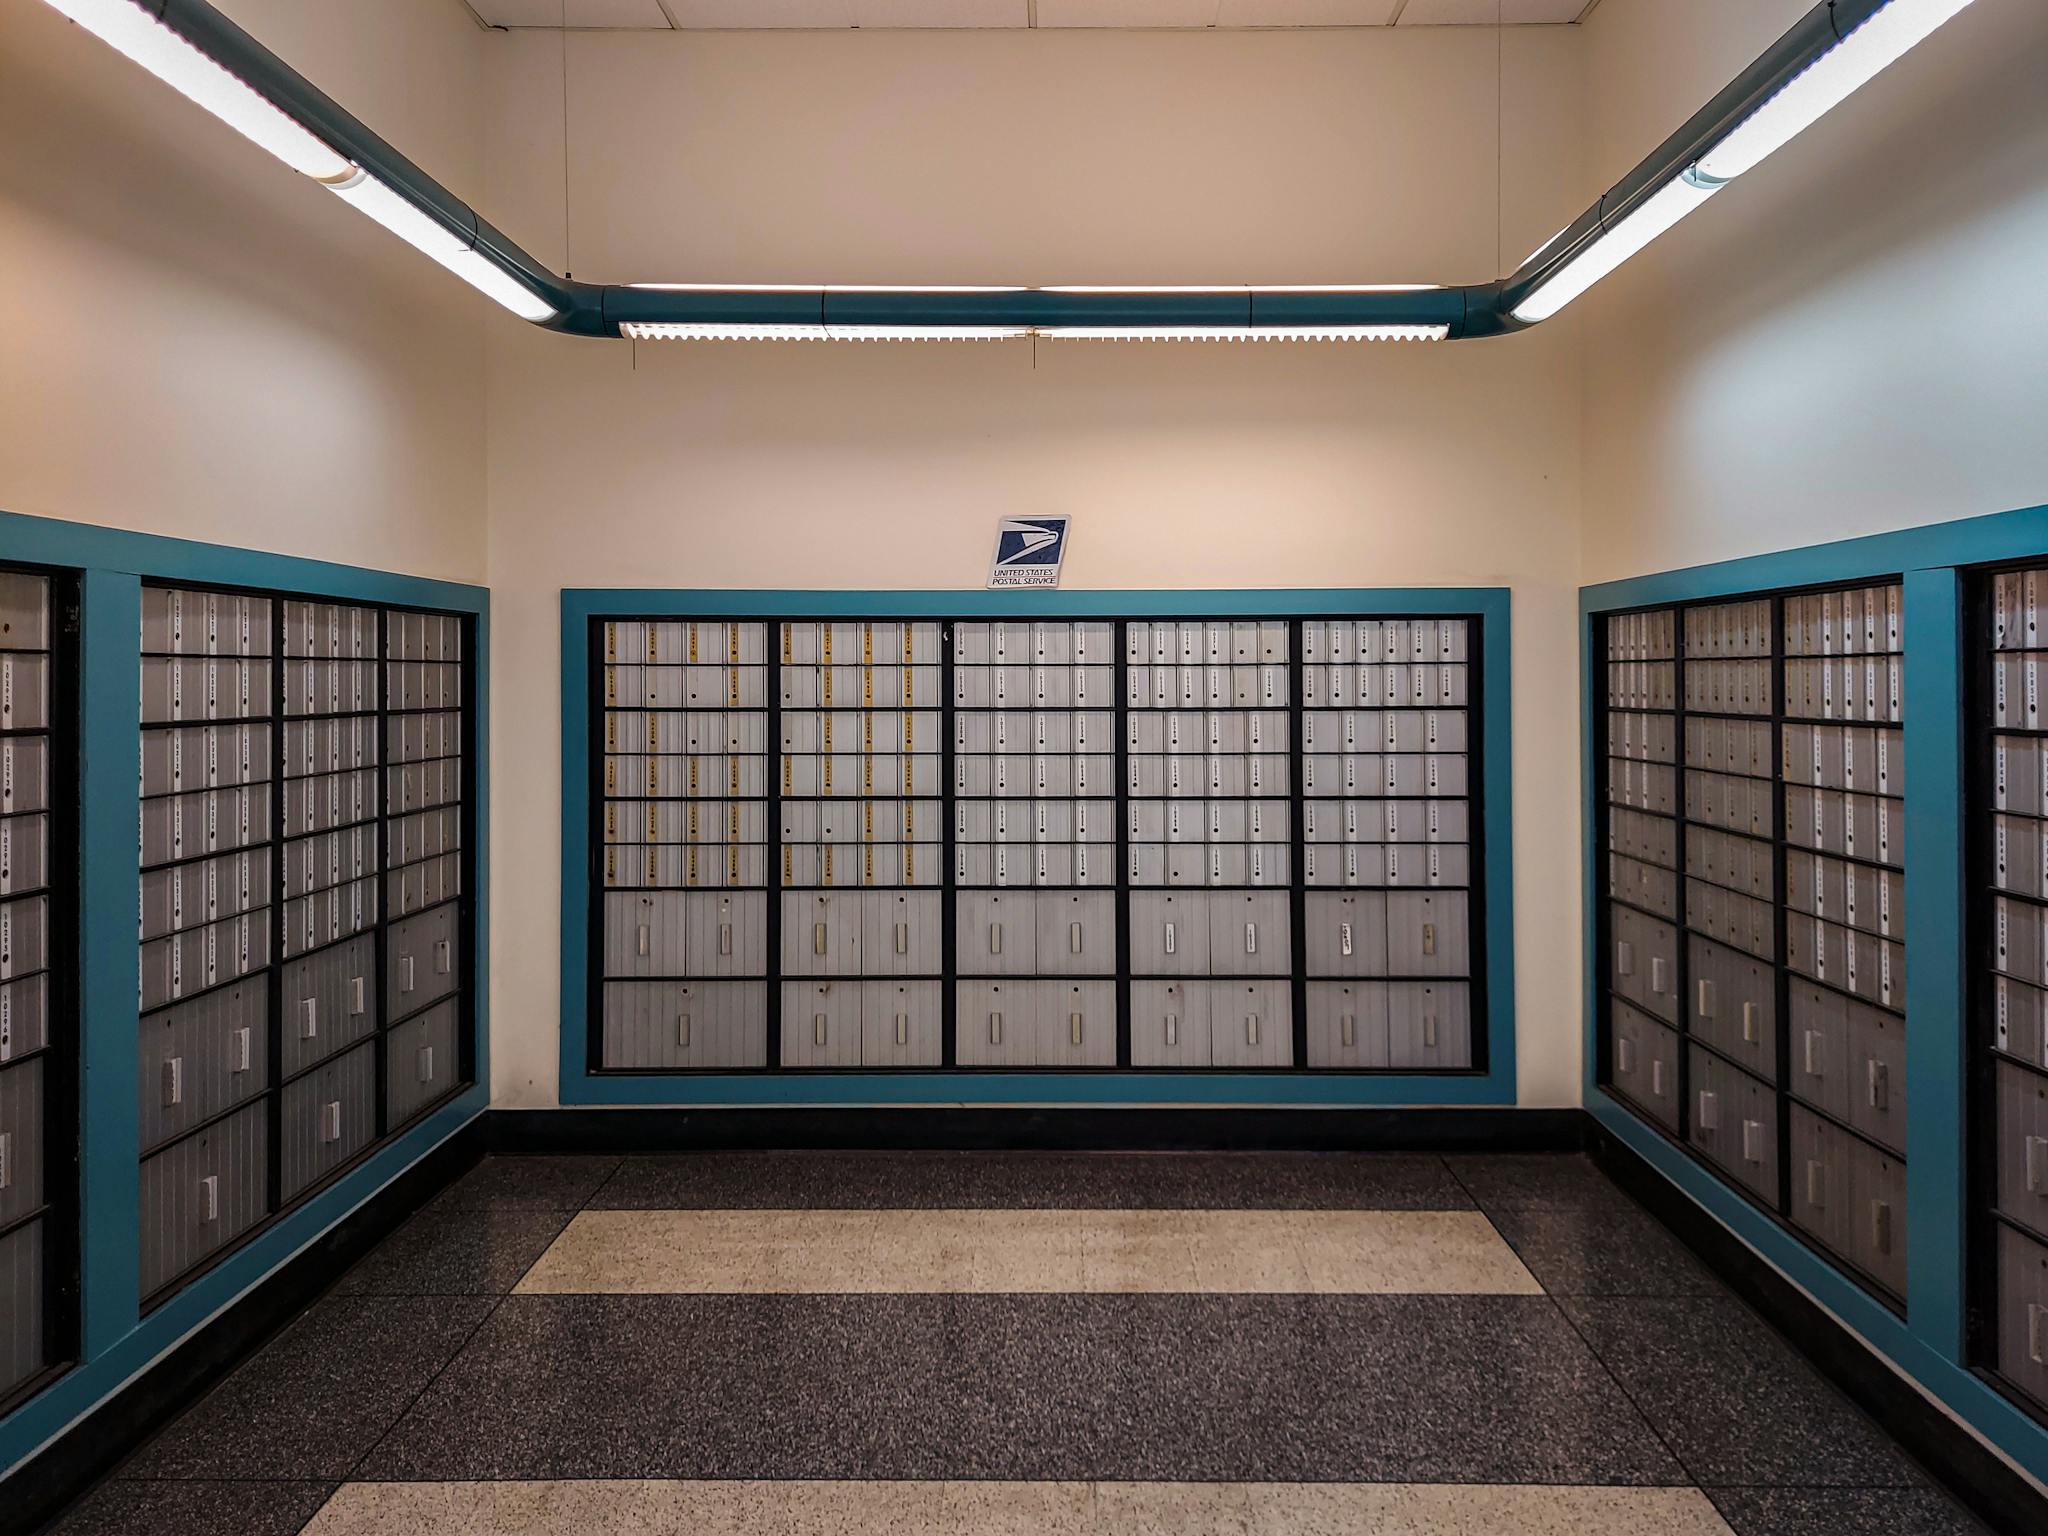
{"x":201,"y":343}
{"x":1854,"y":336}
{"x":1031,"y":157}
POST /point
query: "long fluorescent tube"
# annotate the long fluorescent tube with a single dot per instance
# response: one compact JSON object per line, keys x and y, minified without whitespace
{"x":1646,"y":222}
{"x":130,"y":30}
{"x":816,"y":288}
{"x":368,"y":195}
{"x":1246,"y":288}
{"x":1245,"y":332}
{"x":720,"y":330}
{"x":1882,"y":38}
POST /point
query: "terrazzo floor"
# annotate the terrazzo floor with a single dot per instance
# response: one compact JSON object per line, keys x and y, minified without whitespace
{"x":812,"y":1343}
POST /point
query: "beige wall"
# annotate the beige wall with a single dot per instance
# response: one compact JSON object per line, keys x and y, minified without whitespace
{"x":1854,"y":336}
{"x":201,"y":343}
{"x":1031,"y":157}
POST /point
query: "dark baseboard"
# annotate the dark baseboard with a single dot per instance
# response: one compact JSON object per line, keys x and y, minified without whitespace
{"x":1995,"y":1493}
{"x":69,"y":1465}
{"x":513,"y":1131}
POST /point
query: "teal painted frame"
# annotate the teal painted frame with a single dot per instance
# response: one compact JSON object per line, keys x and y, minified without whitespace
{"x":1146,"y":1089}
{"x":116,"y":1341}
{"x":1927,"y":1344}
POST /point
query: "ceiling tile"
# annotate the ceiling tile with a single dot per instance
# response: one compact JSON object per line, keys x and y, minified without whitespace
{"x":1306,"y":13}
{"x":942,"y":13}
{"x":1481,"y":13}
{"x":581,"y":13}
{"x":740,"y":15}
{"x":1127,"y":13}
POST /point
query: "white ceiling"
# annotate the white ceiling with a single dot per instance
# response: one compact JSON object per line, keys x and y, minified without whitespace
{"x":663,"y":15}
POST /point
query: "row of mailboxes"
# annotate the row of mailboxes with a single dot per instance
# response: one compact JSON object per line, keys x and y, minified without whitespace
{"x":1641,"y":835}
{"x":1647,"y":887}
{"x":194,"y":757}
{"x":893,"y":731}
{"x":1049,"y":641}
{"x":1870,"y":688}
{"x":1641,"y":786}
{"x":1869,"y":759}
{"x":1734,"y":803}
{"x":831,"y":687}
{"x":1049,"y":864}
{"x":1850,"y":1196}
{"x":1729,"y":629}
{"x":715,"y":776}
{"x":671,"y":866}
{"x":677,"y":641}
{"x":1861,"y":621}
{"x":329,"y":745}
{"x":177,"y":622}
{"x":327,"y":629}
{"x":1382,"y":730}
{"x":1027,"y":689}
{"x":24,"y":1015}
{"x":1198,"y":641}
{"x":1866,"y":827}
{"x":24,"y":854}
{"x":418,"y":636}
{"x":1645,"y":737}
{"x":837,"y":775}
{"x":1863,"y":896}
{"x":1651,"y":635}
{"x":866,"y":641}
{"x":1729,"y":687}
{"x":1221,"y":864}
{"x":415,"y":738}
{"x":203,"y":891}
{"x":1738,"y":863}
{"x":1642,"y":685}
{"x":843,"y":865}
{"x":178,"y":689}
{"x":1421,"y":686}
{"x":1344,"y":640}
{"x":1723,"y":745}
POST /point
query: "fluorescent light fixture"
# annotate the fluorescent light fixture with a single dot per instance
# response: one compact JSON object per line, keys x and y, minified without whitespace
{"x":720,"y":330}
{"x":129,"y":29}
{"x":1246,"y":332}
{"x":1249,"y":288}
{"x":1649,"y":219}
{"x":416,"y":228}
{"x":813,"y":288}
{"x":1883,"y":37}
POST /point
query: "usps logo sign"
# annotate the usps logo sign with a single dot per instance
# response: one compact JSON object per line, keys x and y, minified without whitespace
{"x":1029,"y":551}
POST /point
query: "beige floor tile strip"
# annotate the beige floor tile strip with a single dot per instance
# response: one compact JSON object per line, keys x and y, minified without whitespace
{"x":843,"y":1252}
{"x":1008,"y":1509}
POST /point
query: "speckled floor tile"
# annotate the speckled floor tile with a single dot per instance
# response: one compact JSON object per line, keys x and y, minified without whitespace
{"x":1601,"y":1248}
{"x":468,"y":1250}
{"x":860,"y":1508}
{"x":564,"y":1183}
{"x":1844,"y":1512}
{"x":1453,"y":1509}
{"x":1024,"y":1180}
{"x":314,"y":1399}
{"x":1088,"y":1387}
{"x":127,"y":1507}
{"x":1515,"y":1180}
{"x":848,"y":1252}
{"x":1733,"y":1400}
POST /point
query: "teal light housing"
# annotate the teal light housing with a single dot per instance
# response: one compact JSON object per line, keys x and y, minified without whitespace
{"x":1833,"y":49}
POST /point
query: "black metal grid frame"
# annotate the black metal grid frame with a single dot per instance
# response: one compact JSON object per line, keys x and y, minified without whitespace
{"x":1783,"y":975}
{"x":465,"y":994}
{"x":61,"y":1209}
{"x":1475,"y":980}
{"x":1982,"y":1219}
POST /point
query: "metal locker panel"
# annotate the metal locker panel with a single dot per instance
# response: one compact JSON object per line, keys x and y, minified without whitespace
{"x":420,"y":1063}
{"x":1347,"y":1025}
{"x":422,"y":963}
{"x":24,"y":691}
{"x":1429,"y":1024}
{"x":2017,"y":939}
{"x":25,"y":611}
{"x":1249,"y":934}
{"x":21,"y":1123}
{"x":1732,"y":1005}
{"x":821,"y":933}
{"x":1877,"y":1075}
{"x":996,"y":1023}
{"x":24,"y":1016}
{"x":1851,"y":1197}
{"x":2022,"y":1134}
{"x":2019,"y":1020}
{"x":1076,"y":933}
{"x":328,"y":1003}
{"x":685,"y":1025}
{"x":1251,"y":1023}
{"x":1073,"y":1023}
{"x":24,"y":854}
{"x":1734,"y":1123}
{"x":1822,"y":1065}
{"x":1347,"y":934}
{"x":644,"y":934}
{"x":200,"y":1194}
{"x":23,"y":1343}
{"x":996,"y":934}
{"x":1645,"y":1064}
{"x":24,"y":774}
{"x":327,"y":1116}
{"x":726,"y":934}
{"x":901,"y":934}
{"x":2023,"y":1313}
{"x":1170,"y":1024}
{"x":1429,"y":934}
{"x":200,"y":1058}
{"x":1169,"y":934}
{"x":900,"y":1023}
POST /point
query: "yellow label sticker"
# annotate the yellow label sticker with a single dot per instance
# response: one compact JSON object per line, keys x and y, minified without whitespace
{"x":692,"y":653}
{"x":787,"y":632}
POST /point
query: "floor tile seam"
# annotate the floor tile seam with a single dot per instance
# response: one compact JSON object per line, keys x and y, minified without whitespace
{"x":1048,"y":1482}
{"x":426,"y":1387}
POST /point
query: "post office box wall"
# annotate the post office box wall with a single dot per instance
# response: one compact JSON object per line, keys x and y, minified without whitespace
{"x":325,"y":1118}
{"x":201,"y":1057}
{"x":201,"y":1193}
{"x":685,"y":1025}
{"x":420,"y":1063}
